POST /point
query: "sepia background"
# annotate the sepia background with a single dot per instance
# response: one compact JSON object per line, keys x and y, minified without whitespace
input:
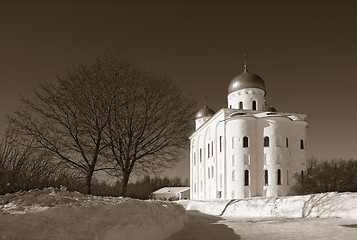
{"x":305,"y":52}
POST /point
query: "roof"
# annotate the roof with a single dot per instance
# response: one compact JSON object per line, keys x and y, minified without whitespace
{"x":171,"y":190}
{"x":231,"y":114}
{"x":246,"y":80}
{"x":204,"y":112}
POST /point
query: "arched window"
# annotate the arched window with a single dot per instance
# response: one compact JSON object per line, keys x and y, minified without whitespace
{"x":194,"y":159}
{"x":246,"y":178}
{"x":279,"y":177}
{"x":287,"y":142}
{"x":200,"y":154}
{"x":245,"y":141}
{"x":208,"y":149}
{"x":266,"y":142}
{"x":240,"y":105}
{"x":233,"y":175}
{"x":212,"y":149}
{"x":301,"y":144}
{"x":254,"y":105}
{"x":266,"y":178}
{"x":302,"y":176}
{"x":220,"y":143}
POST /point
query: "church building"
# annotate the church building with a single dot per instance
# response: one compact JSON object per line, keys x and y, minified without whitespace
{"x":247,"y":149}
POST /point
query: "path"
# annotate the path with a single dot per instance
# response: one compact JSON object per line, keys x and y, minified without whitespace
{"x":204,"y":227}
{"x":294,"y":228}
{"x":207,"y":227}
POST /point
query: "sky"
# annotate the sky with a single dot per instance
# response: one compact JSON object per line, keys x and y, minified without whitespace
{"x":304,"y":51}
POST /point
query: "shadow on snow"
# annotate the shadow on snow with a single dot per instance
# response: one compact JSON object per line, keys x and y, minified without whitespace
{"x":204,"y":226}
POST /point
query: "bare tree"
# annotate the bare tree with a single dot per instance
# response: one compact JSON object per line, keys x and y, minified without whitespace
{"x":149,"y":132}
{"x":23,"y":167}
{"x":68,"y":117}
{"x":328,"y":175}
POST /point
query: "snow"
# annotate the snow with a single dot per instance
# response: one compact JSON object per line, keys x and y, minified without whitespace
{"x":59,"y":214}
{"x":324,"y":205}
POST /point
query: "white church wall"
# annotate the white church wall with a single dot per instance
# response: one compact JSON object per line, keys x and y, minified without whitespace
{"x":237,"y":129}
{"x":298,"y":155}
{"x":204,"y":136}
{"x":276,"y":155}
{"x":247,"y":96}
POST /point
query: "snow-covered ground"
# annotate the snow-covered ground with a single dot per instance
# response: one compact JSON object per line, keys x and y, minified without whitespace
{"x":330,"y":216}
{"x":59,"y":214}
{"x":324,"y":205}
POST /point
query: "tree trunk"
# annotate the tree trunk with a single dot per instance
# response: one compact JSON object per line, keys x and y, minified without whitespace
{"x":89,"y":181}
{"x":124,"y":183}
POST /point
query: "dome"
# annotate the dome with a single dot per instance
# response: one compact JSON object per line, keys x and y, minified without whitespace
{"x":204,"y":112}
{"x":246,"y":80}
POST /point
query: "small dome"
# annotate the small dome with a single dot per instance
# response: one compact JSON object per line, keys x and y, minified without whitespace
{"x":204,"y":112}
{"x":246,"y":80}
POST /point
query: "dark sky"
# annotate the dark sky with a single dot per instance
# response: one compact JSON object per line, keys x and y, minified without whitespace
{"x":305,"y":52}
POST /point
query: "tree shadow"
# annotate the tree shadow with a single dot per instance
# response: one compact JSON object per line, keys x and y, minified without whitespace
{"x":325,"y":205}
{"x":204,"y":226}
{"x":350,"y":226}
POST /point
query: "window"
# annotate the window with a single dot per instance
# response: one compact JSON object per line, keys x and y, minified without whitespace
{"x":233,"y":142}
{"x":302,"y":176}
{"x":279,"y":141}
{"x":220,"y":143}
{"x":287,"y":177}
{"x":230,"y":106}
{"x":233,"y":160}
{"x":254,"y":105}
{"x":301,"y":144}
{"x":240,"y":105}
{"x":212,"y":149}
{"x":208,"y":149}
{"x":266,"y":142}
{"x":279,"y":158}
{"x":200,"y":154}
{"x":194,"y":159}
{"x":266,"y":162}
{"x":266,"y":178}
{"x":201,"y":186}
{"x":279,"y":177}
{"x":233,"y":175}
{"x":246,"y":159}
{"x":194,"y":188}
{"x":245,"y":142}
{"x":246,"y":178}
{"x":287,"y":142}
{"x":208,"y":170}
{"x":212,"y":174}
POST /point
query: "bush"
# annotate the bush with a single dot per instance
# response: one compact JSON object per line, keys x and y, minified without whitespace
{"x":328,"y":176}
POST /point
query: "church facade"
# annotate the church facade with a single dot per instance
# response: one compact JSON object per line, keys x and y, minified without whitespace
{"x":247,"y":149}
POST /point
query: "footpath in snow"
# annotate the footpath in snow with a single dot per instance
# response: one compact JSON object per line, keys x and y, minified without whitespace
{"x":324,"y":205}
{"x":59,"y":214}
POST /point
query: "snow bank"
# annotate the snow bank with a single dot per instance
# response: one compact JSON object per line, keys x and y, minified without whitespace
{"x":59,"y":214}
{"x":341,"y":205}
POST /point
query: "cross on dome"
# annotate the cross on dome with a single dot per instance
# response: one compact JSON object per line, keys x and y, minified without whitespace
{"x":245,"y":63}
